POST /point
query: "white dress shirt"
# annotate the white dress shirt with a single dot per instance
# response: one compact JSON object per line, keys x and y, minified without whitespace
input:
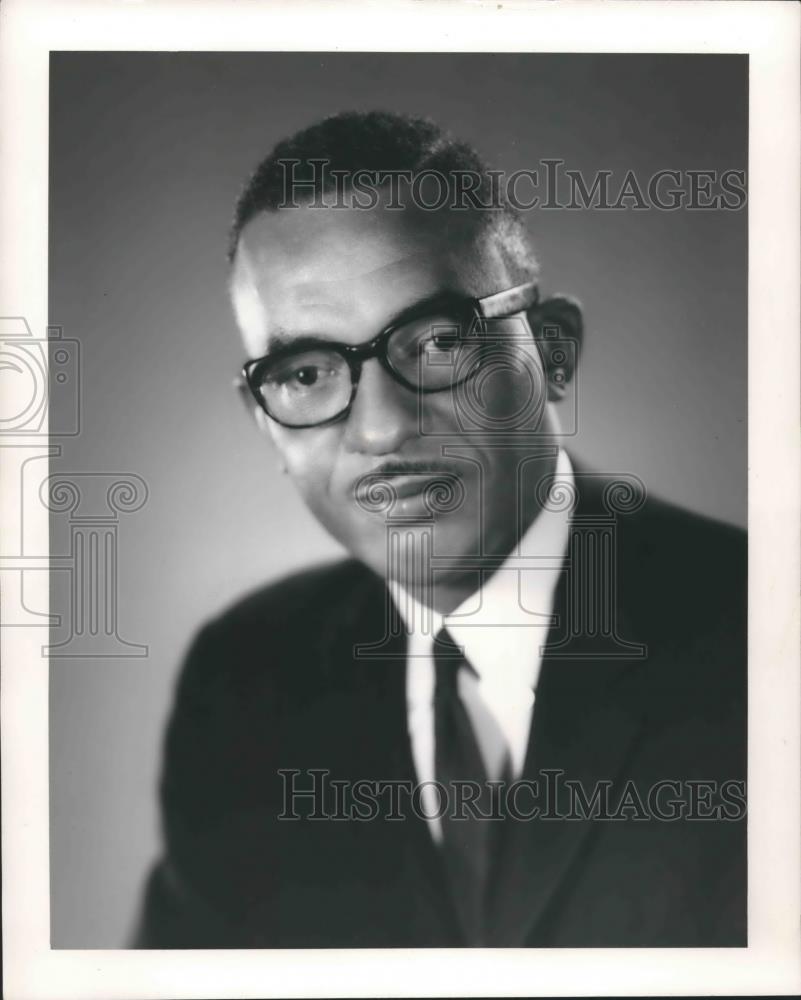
{"x":501,"y":628}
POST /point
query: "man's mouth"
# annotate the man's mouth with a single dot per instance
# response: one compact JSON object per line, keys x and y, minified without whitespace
{"x":432,"y":487}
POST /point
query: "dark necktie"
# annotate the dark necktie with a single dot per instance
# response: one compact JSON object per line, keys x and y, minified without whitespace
{"x":466,"y":842}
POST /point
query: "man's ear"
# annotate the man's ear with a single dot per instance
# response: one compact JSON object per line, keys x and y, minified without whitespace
{"x":558,"y":328}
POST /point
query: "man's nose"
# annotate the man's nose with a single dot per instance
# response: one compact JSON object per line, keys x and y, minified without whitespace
{"x":383,"y":415}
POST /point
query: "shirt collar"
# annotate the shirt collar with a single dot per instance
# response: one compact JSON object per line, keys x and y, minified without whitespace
{"x":503,"y":624}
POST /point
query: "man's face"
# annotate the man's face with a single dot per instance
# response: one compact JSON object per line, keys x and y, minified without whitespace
{"x":344,"y":275}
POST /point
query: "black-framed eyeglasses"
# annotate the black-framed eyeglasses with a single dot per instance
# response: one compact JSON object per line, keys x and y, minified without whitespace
{"x":431,"y":347}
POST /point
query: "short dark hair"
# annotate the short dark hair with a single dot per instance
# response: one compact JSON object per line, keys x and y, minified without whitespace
{"x":380,"y":142}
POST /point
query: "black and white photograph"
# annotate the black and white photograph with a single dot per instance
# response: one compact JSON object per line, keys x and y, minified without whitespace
{"x":385,"y":524}
{"x":430,"y":288}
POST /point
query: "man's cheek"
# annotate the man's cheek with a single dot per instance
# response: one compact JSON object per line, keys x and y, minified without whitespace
{"x":300,"y":449}
{"x":310,"y":459}
{"x":310,"y":477}
{"x":440,"y":414}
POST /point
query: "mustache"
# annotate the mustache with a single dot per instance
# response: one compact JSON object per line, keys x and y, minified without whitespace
{"x":435,"y":474}
{"x":406,"y":467}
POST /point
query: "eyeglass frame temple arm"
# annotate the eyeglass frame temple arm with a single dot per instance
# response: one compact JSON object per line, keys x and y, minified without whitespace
{"x":510,"y":301}
{"x":500,"y":305}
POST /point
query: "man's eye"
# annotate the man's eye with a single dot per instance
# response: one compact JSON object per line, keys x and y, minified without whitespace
{"x":303,"y":376}
{"x":439,"y":342}
{"x":307,"y":375}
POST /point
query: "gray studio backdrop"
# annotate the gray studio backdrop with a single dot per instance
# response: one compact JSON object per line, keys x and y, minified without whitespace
{"x":147,"y":153}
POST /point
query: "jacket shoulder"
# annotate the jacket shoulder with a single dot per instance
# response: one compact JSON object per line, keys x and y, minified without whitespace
{"x":683,"y":582}
{"x":649,"y":527}
{"x":681,"y":522}
{"x":687,"y":550}
{"x":302,"y":594}
{"x":272,"y":637}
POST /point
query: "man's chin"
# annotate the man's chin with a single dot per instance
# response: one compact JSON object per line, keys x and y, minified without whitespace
{"x":413,"y":551}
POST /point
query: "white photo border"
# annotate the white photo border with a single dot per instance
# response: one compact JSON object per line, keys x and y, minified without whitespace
{"x":768,"y":32}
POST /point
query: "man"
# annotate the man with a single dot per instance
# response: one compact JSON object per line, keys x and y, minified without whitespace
{"x":516,"y":717}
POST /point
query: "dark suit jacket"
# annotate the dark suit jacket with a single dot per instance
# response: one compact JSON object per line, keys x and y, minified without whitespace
{"x":273,"y":684}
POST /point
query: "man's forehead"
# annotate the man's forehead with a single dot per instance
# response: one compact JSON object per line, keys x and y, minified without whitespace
{"x":307,"y":245}
{"x":305,"y":270}
{"x":359,"y":278}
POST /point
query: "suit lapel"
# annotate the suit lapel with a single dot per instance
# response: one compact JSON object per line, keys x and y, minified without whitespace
{"x":584,"y":728}
{"x":581,"y":733}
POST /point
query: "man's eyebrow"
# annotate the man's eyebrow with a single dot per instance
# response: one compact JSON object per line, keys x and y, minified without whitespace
{"x":432,"y":300}
{"x":283,"y":341}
